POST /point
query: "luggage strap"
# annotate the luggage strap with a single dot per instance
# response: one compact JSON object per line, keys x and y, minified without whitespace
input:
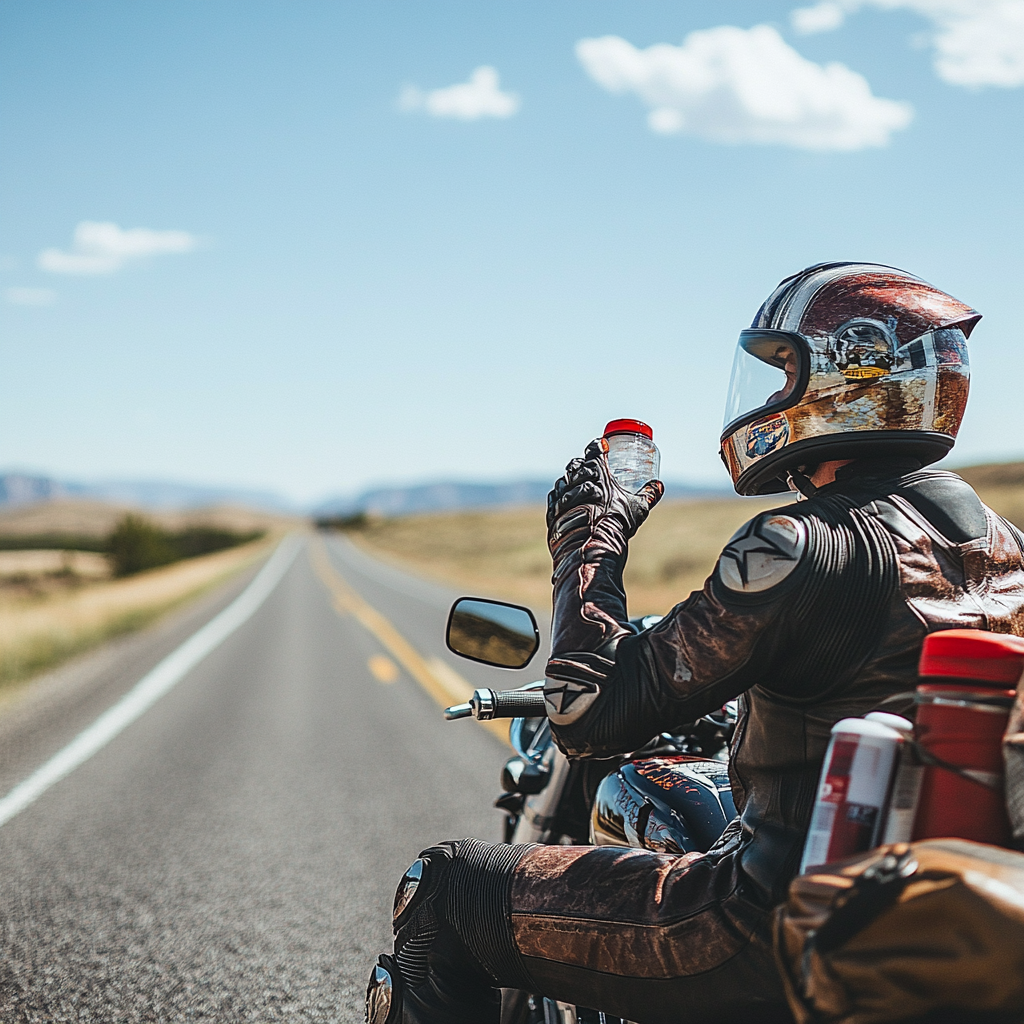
{"x":990,"y":780}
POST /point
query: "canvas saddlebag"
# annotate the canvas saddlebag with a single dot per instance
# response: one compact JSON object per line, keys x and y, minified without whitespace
{"x":931,"y":931}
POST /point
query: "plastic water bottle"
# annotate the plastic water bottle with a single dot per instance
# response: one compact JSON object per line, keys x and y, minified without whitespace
{"x":633,"y":457}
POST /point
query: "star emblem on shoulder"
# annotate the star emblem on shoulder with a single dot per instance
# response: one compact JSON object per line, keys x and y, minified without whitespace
{"x":762,"y":554}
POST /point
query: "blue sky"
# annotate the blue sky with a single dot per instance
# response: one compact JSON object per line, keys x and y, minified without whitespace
{"x":349,"y":283}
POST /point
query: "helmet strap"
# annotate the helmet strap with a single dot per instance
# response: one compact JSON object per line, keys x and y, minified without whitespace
{"x":797,"y":481}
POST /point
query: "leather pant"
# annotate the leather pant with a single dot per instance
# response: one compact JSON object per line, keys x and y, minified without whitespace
{"x":652,"y":938}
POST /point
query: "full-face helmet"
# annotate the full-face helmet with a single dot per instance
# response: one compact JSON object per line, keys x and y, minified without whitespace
{"x":846,"y":361}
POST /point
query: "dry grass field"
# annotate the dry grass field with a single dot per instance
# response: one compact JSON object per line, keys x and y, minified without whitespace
{"x":503,"y":553}
{"x":55,"y":604}
{"x":86,"y":565}
{"x":41,"y":630}
{"x":1001,"y":487}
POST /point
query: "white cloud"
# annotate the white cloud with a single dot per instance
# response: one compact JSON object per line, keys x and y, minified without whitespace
{"x":103,"y":247}
{"x":468,"y":101}
{"x":977,"y":42}
{"x":823,"y":17}
{"x":745,"y":85}
{"x":30,"y":296}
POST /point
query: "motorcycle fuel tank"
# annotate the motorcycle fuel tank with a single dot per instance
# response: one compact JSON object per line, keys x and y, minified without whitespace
{"x":672,"y":804}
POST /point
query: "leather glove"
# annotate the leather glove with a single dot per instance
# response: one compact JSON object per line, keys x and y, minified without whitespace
{"x":590,"y":521}
{"x":588,"y":495}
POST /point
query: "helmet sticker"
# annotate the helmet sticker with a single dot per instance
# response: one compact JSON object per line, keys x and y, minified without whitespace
{"x":764,"y":436}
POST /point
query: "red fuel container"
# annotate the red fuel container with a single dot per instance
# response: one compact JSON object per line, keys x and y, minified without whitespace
{"x":962,"y":711}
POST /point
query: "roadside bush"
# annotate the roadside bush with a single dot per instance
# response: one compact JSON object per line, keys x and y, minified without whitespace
{"x":356,"y":521}
{"x":204,"y":540}
{"x":53,"y":541}
{"x":136,"y":544}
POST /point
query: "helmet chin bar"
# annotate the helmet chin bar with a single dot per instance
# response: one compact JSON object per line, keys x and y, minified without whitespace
{"x":769,"y":475}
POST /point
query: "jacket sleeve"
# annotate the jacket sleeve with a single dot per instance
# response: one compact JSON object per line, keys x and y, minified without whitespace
{"x":612,"y":694}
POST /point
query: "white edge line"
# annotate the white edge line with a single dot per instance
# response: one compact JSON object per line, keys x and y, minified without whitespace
{"x":152,"y":686}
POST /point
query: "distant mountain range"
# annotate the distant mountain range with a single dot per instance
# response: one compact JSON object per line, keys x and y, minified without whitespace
{"x":17,"y":488}
{"x":450,"y":495}
{"x":26,"y":488}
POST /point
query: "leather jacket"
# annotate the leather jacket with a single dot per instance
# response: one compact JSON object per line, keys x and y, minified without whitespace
{"x":815,"y":611}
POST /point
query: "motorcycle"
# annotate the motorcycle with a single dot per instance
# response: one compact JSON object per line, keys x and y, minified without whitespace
{"x":671,"y":796}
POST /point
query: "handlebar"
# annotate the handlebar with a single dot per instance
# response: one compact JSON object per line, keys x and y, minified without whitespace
{"x":486,"y":704}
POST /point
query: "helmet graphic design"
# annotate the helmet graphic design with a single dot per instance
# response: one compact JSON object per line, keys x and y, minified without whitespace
{"x":846,"y":361}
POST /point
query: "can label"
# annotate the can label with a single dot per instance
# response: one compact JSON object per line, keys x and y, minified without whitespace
{"x":906,"y":791}
{"x":854,"y":786}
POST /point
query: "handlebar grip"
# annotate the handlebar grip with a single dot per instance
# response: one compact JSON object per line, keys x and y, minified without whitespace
{"x":518,"y":704}
{"x":486,"y":704}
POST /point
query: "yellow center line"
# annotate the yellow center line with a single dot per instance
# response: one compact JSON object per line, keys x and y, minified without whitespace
{"x":441,"y":681}
{"x":383,"y":668}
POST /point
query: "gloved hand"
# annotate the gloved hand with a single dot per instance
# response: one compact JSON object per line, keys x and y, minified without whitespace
{"x":590,"y":521}
{"x":588,"y":494}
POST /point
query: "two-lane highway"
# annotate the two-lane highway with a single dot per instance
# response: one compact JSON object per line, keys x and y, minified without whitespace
{"x":231,"y":854}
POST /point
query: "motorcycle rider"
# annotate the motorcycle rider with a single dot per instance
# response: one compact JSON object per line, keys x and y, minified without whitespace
{"x":815,"y":611}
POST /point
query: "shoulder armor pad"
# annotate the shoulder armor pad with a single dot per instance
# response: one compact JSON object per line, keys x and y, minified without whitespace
{"x":762,"y":553}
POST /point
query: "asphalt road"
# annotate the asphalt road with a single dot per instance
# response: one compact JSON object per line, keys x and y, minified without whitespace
{"x":232,"y":854}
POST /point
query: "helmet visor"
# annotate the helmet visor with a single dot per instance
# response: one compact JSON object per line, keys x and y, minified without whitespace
{"x":769,"y":373}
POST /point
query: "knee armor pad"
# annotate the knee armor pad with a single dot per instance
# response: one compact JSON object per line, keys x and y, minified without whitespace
{"x":407,"y":889}
{"x":415,"y":922}
{"x":438,"y":973}
{"x":419,"y":910}
{"x":384,"y":993}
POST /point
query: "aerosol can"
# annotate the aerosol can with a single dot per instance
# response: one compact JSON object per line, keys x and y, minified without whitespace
{"x":906,"y":784}
{"x":853,"y":791}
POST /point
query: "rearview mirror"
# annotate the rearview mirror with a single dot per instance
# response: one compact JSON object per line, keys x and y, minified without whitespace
{"x":493,"y":632}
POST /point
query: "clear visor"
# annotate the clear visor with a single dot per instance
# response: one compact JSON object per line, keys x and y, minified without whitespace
{"x":765,"y":373}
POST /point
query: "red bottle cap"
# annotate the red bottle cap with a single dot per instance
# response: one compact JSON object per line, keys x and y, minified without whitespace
{"x":628,"y":427}
{"x":973,"y":654}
